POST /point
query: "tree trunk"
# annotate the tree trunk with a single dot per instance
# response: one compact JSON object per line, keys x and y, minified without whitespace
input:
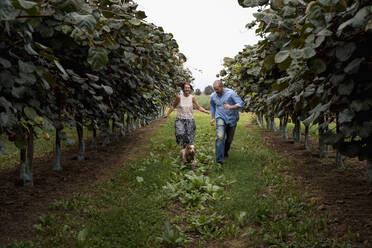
{"x":30,"y":158}
{"x":339,"y":160}
{"x":297,"y":131}
{"x":369,"y":170}
{"x":323,"y":148}
{"x":281,"y":124}
{"x":26,"y":157}
{"x":107,"y":139}
{"x":79,"y":129}
{"x":57,"y":156}
{"x":272,"y":124}
{"x":122,"y":131}
{"x":285,"y":123}
{"x":134,"y":124}
{"x":267,"y":122}
{"x":94,"y":141}
{"x":307,"y":129}
{"x":113,"y":130}
{"x":128,"y":124}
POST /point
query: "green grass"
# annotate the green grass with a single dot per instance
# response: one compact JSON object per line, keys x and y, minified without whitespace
{"x":203,"y":101}
{"x":42,"y":146}
{"x":155,"y":201}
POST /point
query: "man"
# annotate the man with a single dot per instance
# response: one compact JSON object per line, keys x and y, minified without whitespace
{"x":224,"y":104}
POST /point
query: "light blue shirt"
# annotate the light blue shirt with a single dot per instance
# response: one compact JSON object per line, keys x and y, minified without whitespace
{"x":230,"y":116}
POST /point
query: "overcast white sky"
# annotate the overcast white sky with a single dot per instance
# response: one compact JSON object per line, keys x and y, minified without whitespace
{"x":206,"y":31}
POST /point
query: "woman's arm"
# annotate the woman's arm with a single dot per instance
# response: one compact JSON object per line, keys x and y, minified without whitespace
{"x":198,"y":106}
{"x":176,"y":102}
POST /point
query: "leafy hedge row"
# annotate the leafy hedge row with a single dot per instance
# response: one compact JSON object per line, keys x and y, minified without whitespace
{"x":76,"y":62}
{"x":312,"y":65}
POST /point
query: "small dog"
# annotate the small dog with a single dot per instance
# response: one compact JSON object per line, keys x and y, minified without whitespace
{"x":187,"y":154}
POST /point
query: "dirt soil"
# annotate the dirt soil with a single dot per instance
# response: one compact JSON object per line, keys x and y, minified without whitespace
{"x":342,"y":194}
{"x":20,"y":207}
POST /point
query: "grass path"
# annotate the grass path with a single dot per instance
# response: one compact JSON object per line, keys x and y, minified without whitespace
{"x":155,"y":201}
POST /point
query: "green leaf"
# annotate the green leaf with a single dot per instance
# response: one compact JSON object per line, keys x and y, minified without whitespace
{"x":353,"y":66}
{"x":281,"y":56}
{"x":285,"y":64}
{"x":317,"y":65}
{"x":296,"y":53}
{"x":26,"y":67}
{"x":346,"y":88}
{"x":329,"y":2}
{"x":7,"y":11}
{"x":308,"y":52}
{"x":97,"y":58}
{"x":85,"y":22}
{"x":252,"y":3}
{"x":107,"y":89}
{"x":358,"y":21}
{"x":346,"y":116}
{"x":141,"y":14}
{"x":24,"y":4}
{"x":82,"y":237}
{"x":135,"y":21}
{"x":344,"y":51}
{"x":269,"y":62}
{"x":5,"y":63}
{"x":30,"y":113}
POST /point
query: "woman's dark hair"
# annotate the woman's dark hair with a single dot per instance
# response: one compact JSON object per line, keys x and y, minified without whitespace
{"x":182,"y":85}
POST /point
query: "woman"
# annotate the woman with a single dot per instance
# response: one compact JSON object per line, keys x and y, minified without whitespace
{"x":185,"y":124}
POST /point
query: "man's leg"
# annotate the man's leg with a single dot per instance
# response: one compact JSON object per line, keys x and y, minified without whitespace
{"x":220,"y":140}
{"x":230,"y":131}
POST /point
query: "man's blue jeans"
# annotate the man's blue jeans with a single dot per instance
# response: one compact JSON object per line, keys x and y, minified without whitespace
{"x":225,"y":136}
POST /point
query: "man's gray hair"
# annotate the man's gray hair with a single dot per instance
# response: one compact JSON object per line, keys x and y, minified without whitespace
{"x":219,"y":82}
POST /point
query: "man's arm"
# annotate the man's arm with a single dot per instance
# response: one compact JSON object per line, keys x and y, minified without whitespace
{"x":238,"y":102}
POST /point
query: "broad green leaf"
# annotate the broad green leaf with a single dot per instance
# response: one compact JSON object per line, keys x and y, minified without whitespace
{"x":97,"y":58}
{"x":353,"y":66}
{"x":346,"y":88}
{"x":107,"y":89}
{"x":325,"y":32}
{"x":85,"y":22}
{"x":346,"y":116}
{"x":358,"y":21}
{"x":141,"y":14}
{"x":269,"y":62}
{"x":329,"y":2}
{"x":344,"y":52}
{"x":308,"y":52}
{"x":26,"y":67}
{"x":5,"y":63}
{"x":252,"y":3}
{"x":135,"y":21}
{"x":7,"y":10}
{"x":285,"y":64}
{"x":24,"y":4}
{"x":281,"y":56}
{"x":317,"y":65}
{"x":296,"y":53}
{"x":30,"y":113}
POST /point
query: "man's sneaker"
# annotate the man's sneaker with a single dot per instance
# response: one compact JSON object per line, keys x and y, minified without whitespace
{"x":220,"y":162}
